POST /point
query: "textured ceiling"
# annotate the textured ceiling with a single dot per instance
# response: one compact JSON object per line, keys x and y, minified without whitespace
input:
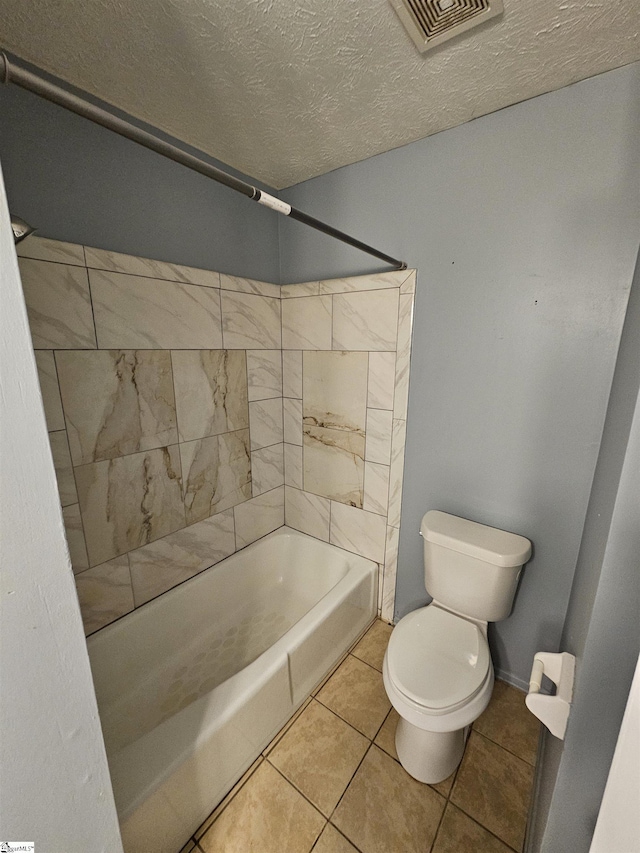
{"x":287,"y":90}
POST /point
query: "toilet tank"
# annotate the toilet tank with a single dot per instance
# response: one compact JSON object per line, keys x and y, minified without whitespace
{"x":471,"y":568}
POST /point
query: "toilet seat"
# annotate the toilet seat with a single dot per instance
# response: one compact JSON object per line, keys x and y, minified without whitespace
{"x":437,"y":661}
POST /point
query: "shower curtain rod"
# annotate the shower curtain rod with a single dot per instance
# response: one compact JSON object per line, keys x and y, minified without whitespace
{"x":12,"y":73}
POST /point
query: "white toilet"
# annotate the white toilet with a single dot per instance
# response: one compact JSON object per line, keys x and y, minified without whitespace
{"x":437,"y":669}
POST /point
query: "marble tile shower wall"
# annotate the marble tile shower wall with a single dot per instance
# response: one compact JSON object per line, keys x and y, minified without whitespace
{"x":346,"y":347}
{"x":162,"y":388}
{"x":180,"y":401}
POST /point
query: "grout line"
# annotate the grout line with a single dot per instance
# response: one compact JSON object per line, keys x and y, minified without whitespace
{"x":67,"y":263}
{"x":506,"y":749}
{"x":222,"y":328}
{"x":279,"y":735}
{"x":163,"y":446}
{"x":147,"y":275}
{"x":93,"y":313}
{"x":339,"y":831}
{"x":336,"y":714}
{"x":182,"y":476}
{"x":332,"y":337}
{"x":315,"y":843}
{"x":155,"y":277}
{"x":440,"y":822}
{"x":293,"y":785}
{"x":229,"y":797}
{"x":333,"y":711}
{"x":370,"y":665}
{"x":481,"y":825}
{"x":348,"y":785}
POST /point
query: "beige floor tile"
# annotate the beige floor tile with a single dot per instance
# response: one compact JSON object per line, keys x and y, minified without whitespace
{"x":189,"y":847}
{"x":356,"y":693}
{"x":373,"y":645}
{"x":225,"y":802}
{"x":330,"y":674}
{"x":459,"y":834}
{"x":509,"y":723}
{"x":493,"y":787}
{"x":332,"y":842}
{"x":319,"y":754}
{"x":386,"y":739}
{"x":384,"y":810}
{"x":446,"y":785}
{"x":267,"y":815}
{"x":272,"y":745}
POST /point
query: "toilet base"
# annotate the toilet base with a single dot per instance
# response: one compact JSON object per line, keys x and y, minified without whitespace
{"x":429,"y":757}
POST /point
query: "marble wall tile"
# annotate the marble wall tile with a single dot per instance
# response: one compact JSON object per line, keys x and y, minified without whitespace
{"x":163,"y":564}
{"x":116,"y":402}
{"x":64,"y":470}
{"x":292,"y":373}
{"x":409,"y":284}
{"x":139,"y":299}
{"x":379,"y":431}
{"x":292,"y":414}
{"x":147,"y":313}
{"x":250,"y":321}
{"x":43,"y":249}
{"x":379,"y":281}
{"x":334,"y":464}
{"x":99,"y":259}
{"x":397,"y":471}
{"x":376,"y":488}
{"x":365,"y":321}
{"x":293,"y":465}
{"x":405,"y":324}
{"x":58,"y":305}
{"x":104,"y":593}
{"x":75,"y":538}
{"x":335,"y":390}
{"x":265,"y":419}
{"x":49,"y":388}
{"x":259,"y":516}
{"x":267,"y":469}
{"x":358,"y":531}
{"x":129,"y":501}
{"x":382,"y":377}
{"x":306,"y":512}
{"x":249,"y":285}
{"x":216,"y":472}
{"x":387,"y":601}
{"x":306,"y":323}
{"x":211,"y":392}
{"x":264,"y":372}
{"x":305,"y":288}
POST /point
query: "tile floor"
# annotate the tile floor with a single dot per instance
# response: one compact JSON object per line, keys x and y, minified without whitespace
{"x":331,"y":782}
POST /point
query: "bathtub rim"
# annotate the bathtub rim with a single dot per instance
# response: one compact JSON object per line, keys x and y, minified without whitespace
{"x":99,"y":636}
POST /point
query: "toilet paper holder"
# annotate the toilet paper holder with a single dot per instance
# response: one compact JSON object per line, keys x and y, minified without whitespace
{"x":552,"y":711}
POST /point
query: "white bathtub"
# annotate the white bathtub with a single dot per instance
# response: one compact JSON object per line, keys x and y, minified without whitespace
{"x":195,"y":684}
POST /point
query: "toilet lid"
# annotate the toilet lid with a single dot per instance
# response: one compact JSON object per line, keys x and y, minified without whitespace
{"x":437,"y":659}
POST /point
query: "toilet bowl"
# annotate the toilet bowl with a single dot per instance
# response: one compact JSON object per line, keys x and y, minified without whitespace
{"x":438,"y":675}
{"x":437,"y":670}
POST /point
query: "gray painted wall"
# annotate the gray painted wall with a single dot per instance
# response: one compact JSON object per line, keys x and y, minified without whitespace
{"x":602,"y":627}
{"x":79,"y":182}
{"x":524,"y":226}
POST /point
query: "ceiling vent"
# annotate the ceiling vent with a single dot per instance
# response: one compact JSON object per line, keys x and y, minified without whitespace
{"x":430,"y":22}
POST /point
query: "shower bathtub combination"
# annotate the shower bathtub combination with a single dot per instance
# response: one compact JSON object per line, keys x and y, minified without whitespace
{"x":193,"y":686}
